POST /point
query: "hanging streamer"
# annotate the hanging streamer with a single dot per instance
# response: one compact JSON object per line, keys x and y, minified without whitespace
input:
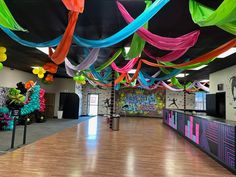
{"x":203,"y":87}
{"x":114,"y":39}
{"x":63,"y":48}
{"x":6,"y":18}
{"x":224,"y":16}
{"x":109,"y":61}
{"x":137,"y":43}
{"x":127,"y":67}
{"x":125,"y":32}
{"x":74,"y":5}
{"x":163,"y":43}
{"x":98,"y":75}
{"x":166,"y":77}
{"x":86,"y":63}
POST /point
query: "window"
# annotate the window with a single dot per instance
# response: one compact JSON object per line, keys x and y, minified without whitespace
{"x":200,"y":101}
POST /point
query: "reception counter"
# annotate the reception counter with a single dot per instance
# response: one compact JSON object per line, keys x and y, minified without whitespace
{"x":214,"y":136}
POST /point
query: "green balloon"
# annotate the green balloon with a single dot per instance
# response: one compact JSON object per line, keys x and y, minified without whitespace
{"x":76,"y":78}
{"x":22,"y":98}
{"x":1,"y":66}
{"x":82,"y":78}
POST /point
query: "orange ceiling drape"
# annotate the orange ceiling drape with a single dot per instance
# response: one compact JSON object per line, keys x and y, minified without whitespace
{"x":75,"y":7}
{"x":208,"y":56}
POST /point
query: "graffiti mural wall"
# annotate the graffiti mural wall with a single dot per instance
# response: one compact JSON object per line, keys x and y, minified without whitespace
{"x":139,"y":102}
{"x":175,"y":100}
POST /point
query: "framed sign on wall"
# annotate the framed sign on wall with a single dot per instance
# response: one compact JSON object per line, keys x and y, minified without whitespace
{"x":220,"y":87}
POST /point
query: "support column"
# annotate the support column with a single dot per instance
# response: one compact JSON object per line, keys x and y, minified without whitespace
{"x":184,"y":91}
{"x":112,"y":98}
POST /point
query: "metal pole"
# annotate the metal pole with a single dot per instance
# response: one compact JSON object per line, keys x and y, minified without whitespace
{"x":25,"y":131}
{"x":112,"y":98}
{"x":13,"y":132}
{"x":184,"y":91}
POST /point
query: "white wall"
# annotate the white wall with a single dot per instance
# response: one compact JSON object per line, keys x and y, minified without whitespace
{"x":9,"y":78}
{"x":190,"y":100}
{"x":223,"y":77}
{"x":78,"y":91}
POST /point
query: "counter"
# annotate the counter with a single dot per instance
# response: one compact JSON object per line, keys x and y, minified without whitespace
{"x":214,"y":136}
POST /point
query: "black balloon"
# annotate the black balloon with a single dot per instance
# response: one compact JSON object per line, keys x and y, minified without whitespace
{"x":21,"y":87}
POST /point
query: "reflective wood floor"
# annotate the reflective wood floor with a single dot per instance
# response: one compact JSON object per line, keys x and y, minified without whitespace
{"x":142,"y":148}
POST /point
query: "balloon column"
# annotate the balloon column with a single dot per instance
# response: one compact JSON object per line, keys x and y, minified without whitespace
{"x":3,"y":56}
{"x":42,"y":100}
{"x":80,"y":79}
{"x":33,"y":102}
{"x":15,"y":97}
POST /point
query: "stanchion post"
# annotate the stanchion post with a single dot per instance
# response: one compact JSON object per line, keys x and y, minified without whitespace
{"x":15,"y":114}
{"x":25,"y":131}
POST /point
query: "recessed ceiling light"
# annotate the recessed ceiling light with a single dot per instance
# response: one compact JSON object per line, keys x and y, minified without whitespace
{"x":198,"y":68}
{"x":132,"y":71}
{"x":227,"y":53}
{"x":205,"y":80}
{"x":182,"y":75}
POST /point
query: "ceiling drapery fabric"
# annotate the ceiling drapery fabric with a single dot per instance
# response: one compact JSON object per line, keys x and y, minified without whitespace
{"x":137,"y":44}
{"x":224,"y":16}
{"x":6,"y":18}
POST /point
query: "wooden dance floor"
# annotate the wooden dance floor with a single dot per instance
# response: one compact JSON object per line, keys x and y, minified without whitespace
{"x":142,"y":148}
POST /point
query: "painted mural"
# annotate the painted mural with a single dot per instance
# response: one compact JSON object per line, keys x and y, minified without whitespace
{"x":175,"y":100}
{"x":139,"y":102}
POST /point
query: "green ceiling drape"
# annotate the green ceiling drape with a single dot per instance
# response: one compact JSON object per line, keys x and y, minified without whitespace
{"x":6,"y":18}
{"x":224,"y":16}
{"x":137,"y":43}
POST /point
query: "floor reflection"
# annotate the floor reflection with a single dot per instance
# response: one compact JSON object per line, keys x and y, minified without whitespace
{"x":92,"y":128}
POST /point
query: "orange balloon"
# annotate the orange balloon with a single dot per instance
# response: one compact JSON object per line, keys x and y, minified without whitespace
{"x":49,"y":78}
{"x":29,"y":84}
{"x":51,"y":67}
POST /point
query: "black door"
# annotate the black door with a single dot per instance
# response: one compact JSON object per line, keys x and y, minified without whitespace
{"x":69,"y":104}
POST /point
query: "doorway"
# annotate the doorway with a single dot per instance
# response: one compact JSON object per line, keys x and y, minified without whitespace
{"x":92,"y":104}
{"x":49,"y":104}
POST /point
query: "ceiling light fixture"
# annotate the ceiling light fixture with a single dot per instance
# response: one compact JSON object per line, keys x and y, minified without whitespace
{"x":132,"y":71}
{"x":227,"y":53}
{"x":198,"y":68}
{"x":127,"y":49}
{"x":34,"y":67}
{"x":205,"y":80}
{"x":43,"y":49}
{"x":182,"y":75}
